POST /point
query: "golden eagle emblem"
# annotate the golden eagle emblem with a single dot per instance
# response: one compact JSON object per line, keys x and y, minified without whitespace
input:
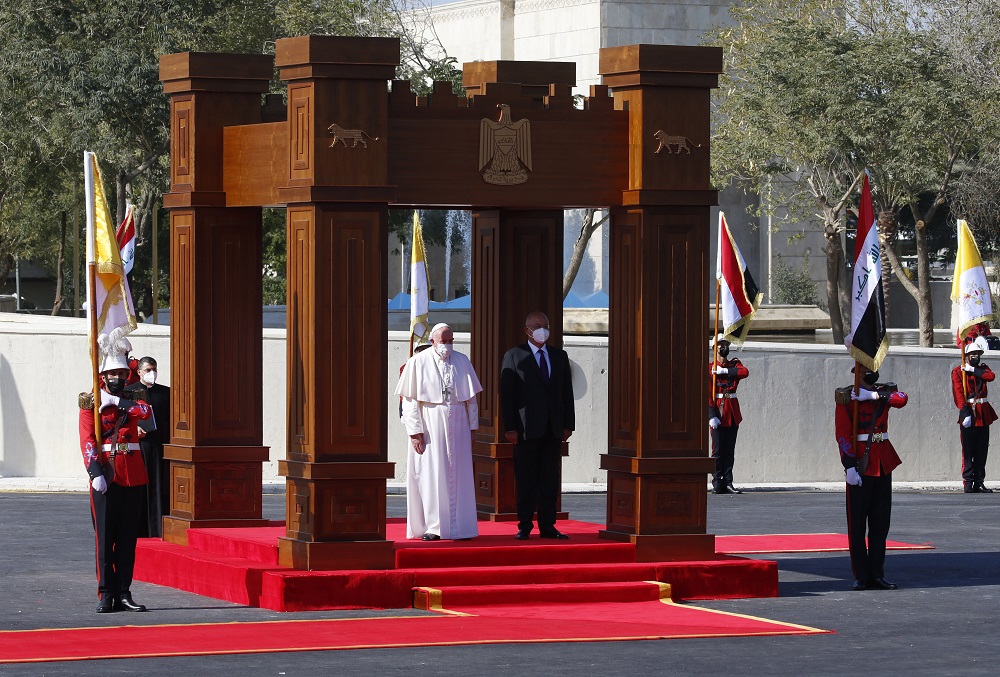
{"x":506,"y":147}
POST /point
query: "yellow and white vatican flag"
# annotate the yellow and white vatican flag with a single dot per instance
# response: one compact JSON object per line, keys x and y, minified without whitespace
{"x":109,"y":300}
{"x":419,"y":286}
{"x":970,"y":290}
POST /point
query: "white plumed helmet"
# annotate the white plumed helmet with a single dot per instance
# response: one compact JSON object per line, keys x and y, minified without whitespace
{"x":114,"y":353}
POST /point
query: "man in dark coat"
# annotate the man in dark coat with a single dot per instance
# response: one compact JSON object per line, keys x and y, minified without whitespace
{"x":536,"y":395}
{"x":153,"y":434}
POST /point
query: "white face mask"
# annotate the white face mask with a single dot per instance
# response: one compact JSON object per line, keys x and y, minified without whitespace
{"x":541,"y":335}
{"x":443,"y":349}
{"x":149,"y":378}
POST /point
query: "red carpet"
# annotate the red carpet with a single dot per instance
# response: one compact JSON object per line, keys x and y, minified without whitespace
{"x":480,"y":624}
{"x":241,"y":566}
{"x":768,"y":543}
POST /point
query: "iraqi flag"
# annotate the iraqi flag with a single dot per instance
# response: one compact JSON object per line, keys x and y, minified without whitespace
{"x":125,"y":235}
{"x":867,"y":341}
{"x":739,"y":296}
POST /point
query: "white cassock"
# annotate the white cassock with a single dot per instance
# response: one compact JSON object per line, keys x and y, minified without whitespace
{"x":439,"y":401}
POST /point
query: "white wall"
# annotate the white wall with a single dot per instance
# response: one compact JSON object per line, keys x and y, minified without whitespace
{"x":787,"y":436}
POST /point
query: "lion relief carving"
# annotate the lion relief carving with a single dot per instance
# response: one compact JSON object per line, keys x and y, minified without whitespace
{"x":666,"y":141}
{"x":356,"y":136}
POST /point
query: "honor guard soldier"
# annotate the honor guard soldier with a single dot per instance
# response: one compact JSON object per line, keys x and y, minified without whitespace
{"x":975,"y":414}
{"x":869,"y":459}
{"x":724,"y":415}
{"x":117,"y":476}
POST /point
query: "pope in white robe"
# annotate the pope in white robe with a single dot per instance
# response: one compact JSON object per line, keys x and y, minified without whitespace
{"x":439,"y":387}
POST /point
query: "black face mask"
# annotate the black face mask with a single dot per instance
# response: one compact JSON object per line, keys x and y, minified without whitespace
{"x":871,"y":378}
{"x":114,"y":384}
{"x":974,"y":360}
{"x":724,"y":351}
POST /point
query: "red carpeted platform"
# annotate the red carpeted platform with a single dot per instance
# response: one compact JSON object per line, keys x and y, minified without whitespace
{"x":775,"y":543}
{"x":241,"y":566}
{"x":646,"y":614}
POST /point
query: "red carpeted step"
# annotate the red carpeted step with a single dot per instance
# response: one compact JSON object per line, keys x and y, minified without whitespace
{"x":514,"y":555}
{"x":256,"y":544}
{"x":448,"y":597}
{"x":200,"y":572}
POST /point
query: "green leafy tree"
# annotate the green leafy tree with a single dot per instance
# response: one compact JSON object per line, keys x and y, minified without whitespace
{"x":815,"y":91}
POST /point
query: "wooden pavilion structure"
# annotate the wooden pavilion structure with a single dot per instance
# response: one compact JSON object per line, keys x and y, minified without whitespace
{"x":346,"y":148}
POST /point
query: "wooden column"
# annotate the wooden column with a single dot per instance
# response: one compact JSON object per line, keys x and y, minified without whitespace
{"x":337,"y":199}
{"x":517,"y":268}
{"x":658,"y":459}
{"x":216,"y":447}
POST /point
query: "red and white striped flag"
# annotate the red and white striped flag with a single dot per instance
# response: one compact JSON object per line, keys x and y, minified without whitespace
{"x":739,"y":296}
{"x":867,"y":341}
{"x":125,"y":235}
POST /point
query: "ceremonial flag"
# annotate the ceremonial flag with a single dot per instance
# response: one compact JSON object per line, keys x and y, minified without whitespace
{"x":739,"y":296}
{"x":867,"y":340}
{"x":970,"y":291}
{"x":419,"y":287}
{"x":125,"y":235}
{"x":108,"y":293}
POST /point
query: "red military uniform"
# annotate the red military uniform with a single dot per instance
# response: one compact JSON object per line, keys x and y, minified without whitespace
{"x":725,"y":406}
{"x":116,"y":511}
{"x":129,"y":469}
{"x":970,"y":398}
{"x":869,"y":505}
{"x":725,"y":400}
{"x":882,"y":456}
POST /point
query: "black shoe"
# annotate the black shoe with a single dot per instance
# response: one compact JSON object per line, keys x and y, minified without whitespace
{"x":522,"y":534}
{"x":558,"y":535}
{"x":733,"y":490}
{"x":430,"y":537}
{"x":881,"y":584}
{"x":859,"y":586}
{"x":123,"y":602}
{"x":969,"y":489}
{"x":981,"y":488}
{"x":107,"y":604}
{"x":723,"y":490}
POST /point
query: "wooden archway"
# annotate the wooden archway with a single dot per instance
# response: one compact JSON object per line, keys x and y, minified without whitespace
{"x":343,"y":151}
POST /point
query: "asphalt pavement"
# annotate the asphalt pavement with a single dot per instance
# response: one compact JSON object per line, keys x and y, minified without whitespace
{"x":945,"y":619}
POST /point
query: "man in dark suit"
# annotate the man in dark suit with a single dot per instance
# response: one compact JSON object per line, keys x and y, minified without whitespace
{"x":153,"y":434}
{"x":536,"y":395}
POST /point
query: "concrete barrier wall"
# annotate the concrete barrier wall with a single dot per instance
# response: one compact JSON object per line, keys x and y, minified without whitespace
{"x":787,"y":436}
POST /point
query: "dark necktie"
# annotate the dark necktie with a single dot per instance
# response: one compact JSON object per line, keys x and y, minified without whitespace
{"x":543,"y":366}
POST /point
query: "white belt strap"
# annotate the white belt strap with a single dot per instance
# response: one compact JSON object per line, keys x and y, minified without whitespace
{"x":978,"y":400}
{"x":122,"y":446}
{"x":876,"y":437}
{"x":726,"y":396}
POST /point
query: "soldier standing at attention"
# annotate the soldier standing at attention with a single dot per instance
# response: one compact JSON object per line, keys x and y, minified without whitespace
{"x":117,"y":478}
{"x":724,"y":415}
{"x":869,"y":459}
{"x":975,"y":414}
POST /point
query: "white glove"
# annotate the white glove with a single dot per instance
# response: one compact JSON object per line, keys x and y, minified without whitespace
{"x":968,"y":367}
{"x":853,"y":477}
{"x":713,"y":423}
{"x":721,"y":371}
{"x":864,"y":395}
{"x":99,"y":483}
{"x":108,"y":400}
{"x":967,"y":422}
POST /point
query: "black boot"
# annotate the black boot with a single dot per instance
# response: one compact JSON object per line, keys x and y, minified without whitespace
{"x":106,"y":604}
{"x":124,"y":602}
{"x":981,"y":488}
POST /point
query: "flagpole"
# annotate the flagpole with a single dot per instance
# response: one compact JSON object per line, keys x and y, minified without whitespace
{"x":715,"y":338}
{"x":857,"y":385}
{"x":95,"y":355}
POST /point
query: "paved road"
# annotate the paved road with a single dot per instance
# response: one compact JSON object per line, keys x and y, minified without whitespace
{"x":944,"y":620}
